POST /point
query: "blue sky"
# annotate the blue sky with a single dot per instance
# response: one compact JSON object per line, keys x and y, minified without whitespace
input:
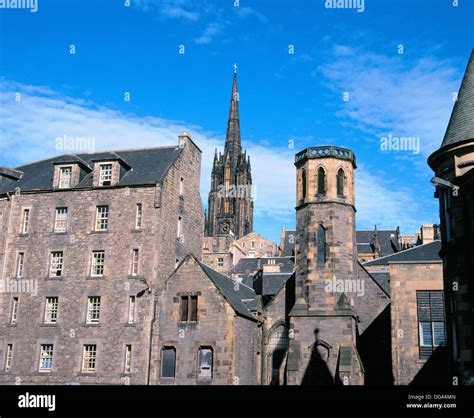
{"x":284,"y":97}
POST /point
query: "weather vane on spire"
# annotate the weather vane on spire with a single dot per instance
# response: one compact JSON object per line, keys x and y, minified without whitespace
{"x":235,"y":68}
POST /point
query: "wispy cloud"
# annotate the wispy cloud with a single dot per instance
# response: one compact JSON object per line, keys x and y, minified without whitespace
{"x":172,"y":9}
{"x":393,"y":93}
{"x":212,"y":30}
{"x":29,"y":127}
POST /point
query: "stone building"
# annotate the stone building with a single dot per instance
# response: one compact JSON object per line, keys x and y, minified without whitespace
{"x":414,"y":280}
{"x":453,"y":165}
{"x":336,"y":299}
{"x":207,"y":329}
{"x":93,"y":233}
{"x":230,"y":204}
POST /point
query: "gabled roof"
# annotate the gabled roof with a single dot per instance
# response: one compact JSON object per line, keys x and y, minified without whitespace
{"x":427,"y":253}
{"x":461,"y":122}
{"x":249,"y":265}
{"x":10,"y":173}
{"x":235,"y":295}
{"x":145,"y":167}
{"x":289,"y":242}
{"x":273,"y":282}
{"x":387,"y":239}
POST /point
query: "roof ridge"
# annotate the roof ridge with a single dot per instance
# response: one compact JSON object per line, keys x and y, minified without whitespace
{"x":402,"y":251}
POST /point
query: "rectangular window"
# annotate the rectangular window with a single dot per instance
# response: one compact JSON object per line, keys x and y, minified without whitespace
{"x":56,"y":269}
{"x":51,"y":310}
{"x":261,"y":245}
{"x":431,"y":321}
{"x":188,"y":309}
{"x":93,"y":309}
{"x":168,"y":362}
{"x":105,"y":175}
{"x":20,"y":262}
{"x":220,"y":262}
{"x":101,"y":218}
{"x":65,"y":175}
{"x":252,"y":245}
{"x":60,"y":221}
{"x":98,"y":261}
{"x":25,"y":221}
{"x":181,"y":187}
{"x":135,"y":259}
{"x":131,"y":309}
{"x":8,"y":357}
{"x":14,"y":311}
{"x":89,"y":358}
{"x":128,"y":359}
{"x":205,"y":360}
{"x":138,"y":216}
{"x":46,"y":358}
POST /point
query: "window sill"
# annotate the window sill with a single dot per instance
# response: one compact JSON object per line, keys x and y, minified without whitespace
{"x":53,"y":233}
{"x":93,"y":374}
{"x":190,"y":323}
{"x":91,"y":325}
{"x":55,"y":278}
{"x":204,"y":381}
{"x":95,"y":277}
{"x":25,"y":235}
{"x":139,"y":277}
{"x":136,"y":230}
{"x":46,"y":325}
{"x":12,"y":325}
{"x":99,"y":231}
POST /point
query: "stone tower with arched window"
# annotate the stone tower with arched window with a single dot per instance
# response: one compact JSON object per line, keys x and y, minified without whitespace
{"x":322,"y":319}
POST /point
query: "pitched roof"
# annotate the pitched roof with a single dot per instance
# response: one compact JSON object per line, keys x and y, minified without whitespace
{"x":274,"y":282}
{"x":249,"y":265}
{"x":235,"y":295}
{"x":419,"y":254}
{"x":387,"y":238}
{"x":148,"y":166}
{"x":461,"y":123}
{"x":383,"y":280}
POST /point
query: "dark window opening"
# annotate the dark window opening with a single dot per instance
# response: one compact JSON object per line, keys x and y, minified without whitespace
{"x":340,"y":182}
{"x":188,"y":309}
{"x":321,"y":244}
{"x":431,"y":321}
{"x":321,"y":181}
{"x":168,"y":362}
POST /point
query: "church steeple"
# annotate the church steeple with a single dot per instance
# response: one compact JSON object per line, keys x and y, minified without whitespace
{"x":232,"y":138}
{"x":230,"y":208}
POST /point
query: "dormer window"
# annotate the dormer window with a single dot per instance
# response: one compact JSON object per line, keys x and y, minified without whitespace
{"x":65,"y":177}
{"x":105,"y":175}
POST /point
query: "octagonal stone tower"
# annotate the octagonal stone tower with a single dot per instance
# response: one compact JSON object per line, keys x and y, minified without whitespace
{"x":322,"y":322}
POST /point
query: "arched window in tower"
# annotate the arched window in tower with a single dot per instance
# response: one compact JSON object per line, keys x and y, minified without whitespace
{"x":340,"y":181}
{"x":303,"y":183}
{"x":321,"y":245}
{"x":321,"y":181}
{"x":227,"y":178}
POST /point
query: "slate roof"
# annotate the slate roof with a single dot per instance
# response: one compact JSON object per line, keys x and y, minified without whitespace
{"x":144,"y":167}
{"x":421,"y":253}
{"x":250,"y":264}
{"x":235,"y":297}
{"x":273,"y":282}
{"x":383,"y":280}
{"x":387,"y":239}
{"x":461,"y":123}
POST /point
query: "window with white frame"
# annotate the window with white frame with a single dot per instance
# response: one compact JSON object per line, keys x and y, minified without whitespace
{"x":252,"y":244}
{"x":60,"y":221}
{"x":138,"y":216}
{"x":135,"y":261}
{"x":8,"y":357}
{"x":205,"y":360}
{"x":65,"y":176}
{"x":101,"y":218}
{"x":51,"y":310}
{"x":128,"y":359}
{"x":46,"y":358}
{"x":56,"y":266}
{"x":14,"y":311}
{"x":93,"y":310}
{"x":89,"y":358}
{"x":131,"y":309}
{"x":20,"y":262}
{"x":25,"y":221}
{"x":105,"y":174}
{"x":98,"y":261}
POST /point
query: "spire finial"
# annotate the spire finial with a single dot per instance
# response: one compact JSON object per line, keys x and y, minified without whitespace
{"x":235,"y":68}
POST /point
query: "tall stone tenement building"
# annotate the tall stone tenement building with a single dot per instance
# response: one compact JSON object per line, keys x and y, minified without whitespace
{"x":453,"y":165}
{"x":230,"y":204}
{"x":83,"y":238}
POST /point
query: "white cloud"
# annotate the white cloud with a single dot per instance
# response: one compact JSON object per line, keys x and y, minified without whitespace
{"x":172,"y":9}
{"x":212,"y":30}
{"x":28,"y":130}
